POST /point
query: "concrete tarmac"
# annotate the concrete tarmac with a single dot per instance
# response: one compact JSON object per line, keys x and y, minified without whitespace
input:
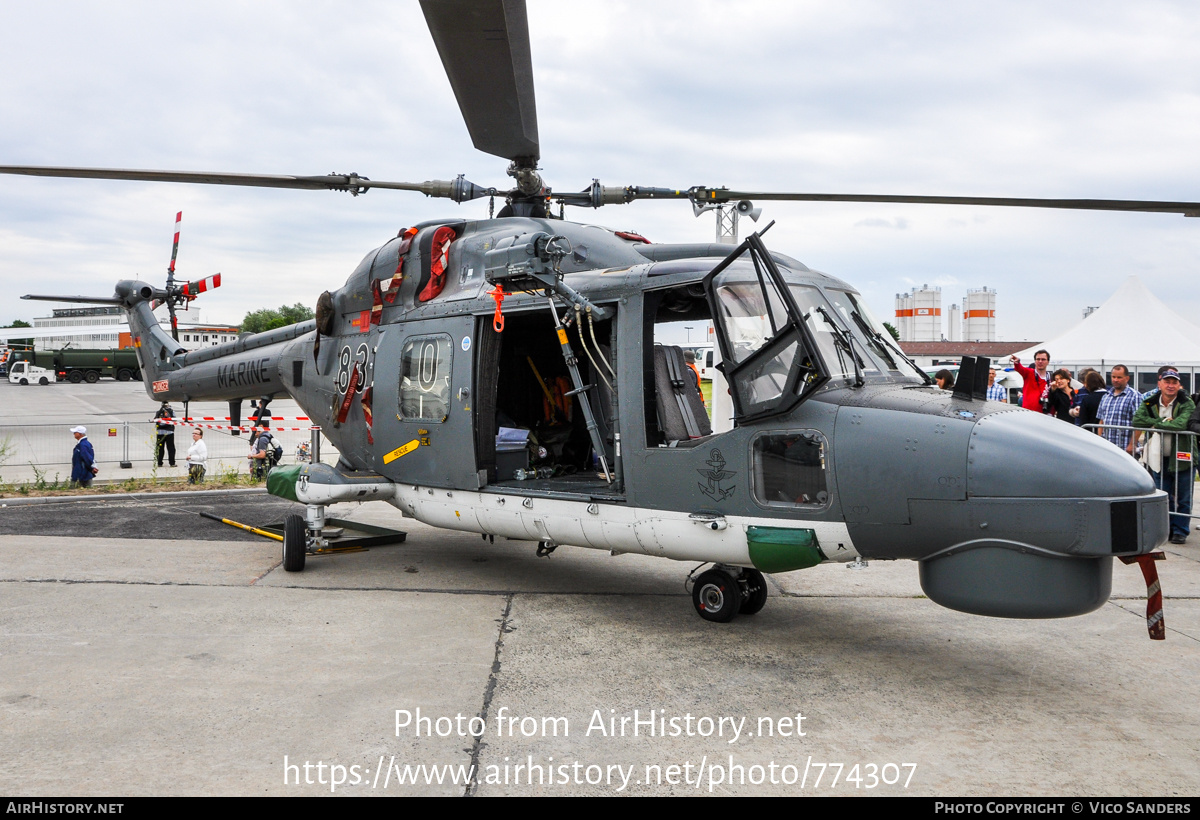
{"x":145,"y":650}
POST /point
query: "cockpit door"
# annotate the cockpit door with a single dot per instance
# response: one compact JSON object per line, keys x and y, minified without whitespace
{"x":768,"y":353}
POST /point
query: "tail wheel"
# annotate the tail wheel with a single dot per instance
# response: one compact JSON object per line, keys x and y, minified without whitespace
{"x":75,"y":377}
{"x":756,"y":592}
{"x":717,"y":596}
{"x":92,"y":377}
{"x":295,"y":543}
{"x":43,"y":380}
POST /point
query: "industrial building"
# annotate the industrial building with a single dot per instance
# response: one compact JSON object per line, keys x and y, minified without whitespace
{"x":92,"y":332}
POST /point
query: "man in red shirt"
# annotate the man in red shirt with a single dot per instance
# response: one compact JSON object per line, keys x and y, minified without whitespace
{"x":1035,"y":378}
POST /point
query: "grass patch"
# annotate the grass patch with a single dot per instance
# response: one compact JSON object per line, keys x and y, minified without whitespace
{"x":42,"y":486}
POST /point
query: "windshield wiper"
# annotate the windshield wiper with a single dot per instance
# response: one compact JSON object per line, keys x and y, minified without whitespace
{"x":846,"y":341}
{"x":874,"y":336}
{"x":883,"y":340}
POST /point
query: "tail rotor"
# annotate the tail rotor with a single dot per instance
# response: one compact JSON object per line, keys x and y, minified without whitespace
{"x":172,"y":298}
{"x":182,"y":295}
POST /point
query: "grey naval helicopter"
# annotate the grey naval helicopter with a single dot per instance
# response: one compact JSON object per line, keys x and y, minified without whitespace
{"x":502,"y":377}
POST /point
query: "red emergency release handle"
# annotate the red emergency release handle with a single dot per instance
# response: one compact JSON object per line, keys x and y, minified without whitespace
{"x":498,"y":294}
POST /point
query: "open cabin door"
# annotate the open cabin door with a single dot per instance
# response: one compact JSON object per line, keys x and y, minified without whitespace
{"x":528,"y":414}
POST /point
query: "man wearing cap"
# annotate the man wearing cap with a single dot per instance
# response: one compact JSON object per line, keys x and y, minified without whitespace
{"x":260,"y":453}
{"x":83,"y":460}
{"x":1169,"y":458}
{"x":689,"y":358}
{"x":164,"y":434}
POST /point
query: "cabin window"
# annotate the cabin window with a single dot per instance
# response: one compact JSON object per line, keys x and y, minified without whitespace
{"x":425,"y":378}
{"x":789,"y":469}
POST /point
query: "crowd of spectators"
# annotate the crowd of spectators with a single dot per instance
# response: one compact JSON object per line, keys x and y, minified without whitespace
{"x":1144,"y":426}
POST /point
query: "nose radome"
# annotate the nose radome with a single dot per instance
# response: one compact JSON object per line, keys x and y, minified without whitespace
{"x":1022,"y":454}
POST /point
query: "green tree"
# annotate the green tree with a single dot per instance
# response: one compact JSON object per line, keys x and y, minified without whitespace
{"x":257,"y":321}
{"x":20,"y":342}
{"x":895,"y":333}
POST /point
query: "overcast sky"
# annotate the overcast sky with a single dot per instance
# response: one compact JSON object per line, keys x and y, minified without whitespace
{"x":1086,"y":99}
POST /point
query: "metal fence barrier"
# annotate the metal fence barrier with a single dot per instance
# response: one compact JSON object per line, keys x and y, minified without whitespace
{"x":1176,"y":451}
{"x":128,"y":448}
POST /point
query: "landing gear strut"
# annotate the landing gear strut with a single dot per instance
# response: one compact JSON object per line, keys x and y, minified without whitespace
{"x":721,"y":593}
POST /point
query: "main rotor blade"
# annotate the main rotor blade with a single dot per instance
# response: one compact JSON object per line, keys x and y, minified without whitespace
{"x":330,"y":182}
{"x":484,"y":46}
{"x":83,"y":300}
{"x":717,"y":195}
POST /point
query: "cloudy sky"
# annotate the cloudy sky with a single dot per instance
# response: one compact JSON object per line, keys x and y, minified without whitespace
{"x":1070,"y":99}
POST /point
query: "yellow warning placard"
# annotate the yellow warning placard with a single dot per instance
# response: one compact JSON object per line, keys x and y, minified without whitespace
{"x":562,"y":336}
{"x":402,"y":450}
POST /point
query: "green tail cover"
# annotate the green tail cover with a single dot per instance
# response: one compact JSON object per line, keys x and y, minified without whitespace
{"x":781,"y":549}
{"x":282,"y":481}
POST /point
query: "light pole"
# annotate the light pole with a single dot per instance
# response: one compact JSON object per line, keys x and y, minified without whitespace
{"x":689,"y":332}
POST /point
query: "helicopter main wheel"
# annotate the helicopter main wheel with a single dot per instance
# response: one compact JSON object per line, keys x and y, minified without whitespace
{"x":92,"y":377}
{"x":717,"y":596}
{"x":75,"y":377}
{"x":756,"y":592}
{"x":295,"y":543}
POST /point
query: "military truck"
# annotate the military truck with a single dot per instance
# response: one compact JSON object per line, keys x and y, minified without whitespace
{"x":77,"y":366}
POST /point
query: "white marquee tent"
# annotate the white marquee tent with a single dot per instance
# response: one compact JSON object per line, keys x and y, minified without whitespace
{"x":1133,"y":327}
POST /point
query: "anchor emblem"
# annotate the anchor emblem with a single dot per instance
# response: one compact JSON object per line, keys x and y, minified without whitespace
{"x":715,"y":476}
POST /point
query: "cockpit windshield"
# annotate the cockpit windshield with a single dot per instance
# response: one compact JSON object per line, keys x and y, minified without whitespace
{"x":880,"y":347}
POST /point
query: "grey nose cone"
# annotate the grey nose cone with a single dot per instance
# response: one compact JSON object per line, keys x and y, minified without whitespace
{"x":1022,"y":454}
{"x":1047,"y":510}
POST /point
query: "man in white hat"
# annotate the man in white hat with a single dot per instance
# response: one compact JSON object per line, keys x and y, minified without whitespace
{"x":83,"y":460}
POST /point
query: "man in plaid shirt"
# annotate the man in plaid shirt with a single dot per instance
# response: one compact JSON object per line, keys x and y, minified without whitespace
{"x":1117,"y":408}
{"x":995,"y":392}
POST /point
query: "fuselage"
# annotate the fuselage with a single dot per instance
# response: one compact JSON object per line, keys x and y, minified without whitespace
{"x":866,"y":461}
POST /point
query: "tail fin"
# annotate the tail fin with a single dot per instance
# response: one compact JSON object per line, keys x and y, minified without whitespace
{"x":156,"y":349}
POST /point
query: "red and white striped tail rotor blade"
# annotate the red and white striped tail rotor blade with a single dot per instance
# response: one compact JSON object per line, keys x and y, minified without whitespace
{"x":193,"y":289}
{"x":175,"y":246}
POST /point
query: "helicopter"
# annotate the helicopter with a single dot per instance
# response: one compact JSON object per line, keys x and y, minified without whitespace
{"x":505,"y":377}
